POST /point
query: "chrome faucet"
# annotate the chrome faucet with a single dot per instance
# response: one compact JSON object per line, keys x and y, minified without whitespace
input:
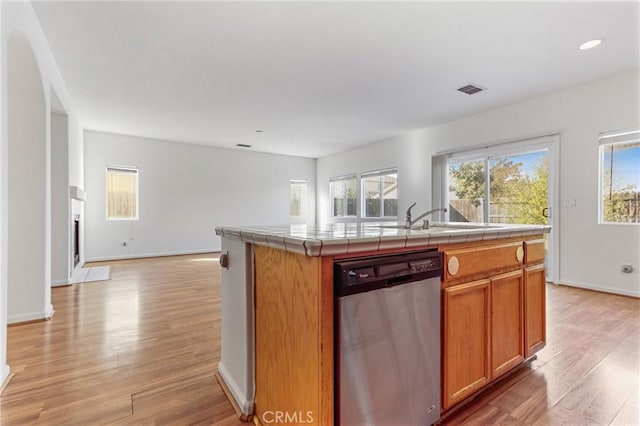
{"x":407,"y":220}
{"x":425,"y":225}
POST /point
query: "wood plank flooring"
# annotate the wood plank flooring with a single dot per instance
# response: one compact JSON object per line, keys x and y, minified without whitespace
{"x":142,"y":348}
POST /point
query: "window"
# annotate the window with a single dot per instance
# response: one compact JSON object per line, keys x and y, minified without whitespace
{"x":122,"y":193}
{"x":297,"y":197}
{"x":343,"y":196}
{"x":506,"y":187}
{"x":380,"y":193}
{"x":620,"y":177}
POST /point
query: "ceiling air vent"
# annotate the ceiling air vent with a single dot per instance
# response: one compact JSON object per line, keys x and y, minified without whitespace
{"x":471,"y":89}
{"x":243,"y":145}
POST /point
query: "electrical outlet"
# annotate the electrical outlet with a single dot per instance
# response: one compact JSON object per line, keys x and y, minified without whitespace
{"x":124,"y":243}
{"x":627,"y":269}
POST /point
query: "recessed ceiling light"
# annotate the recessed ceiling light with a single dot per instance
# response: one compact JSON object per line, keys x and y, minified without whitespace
{"x":243,"y":145}
{"x":591,"y":43}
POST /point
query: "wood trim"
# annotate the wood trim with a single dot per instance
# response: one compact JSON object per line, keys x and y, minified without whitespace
{"x":534,"y":251}
{"x":469,"y":244}
{"x":241,"y":416}
{"x":326,"y":344}
{"x":440,"y":247}
{"x":369,"y":253}
{"x":479,"y":276}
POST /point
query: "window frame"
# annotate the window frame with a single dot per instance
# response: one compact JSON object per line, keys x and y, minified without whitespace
{"x":343,"y":180}
{"x":129,"y":169}
{"x":605,"y":140}
{"x":380,"y":174}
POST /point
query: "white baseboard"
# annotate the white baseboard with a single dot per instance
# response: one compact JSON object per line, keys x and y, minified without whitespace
{"x":246,"y":406}
{"x":58,"y":283}
{"x":601,"y":289}
{"x":4,"y":376}
{"x":144,"y":255}
{"x":29,"y":316}
{"x":49,"y":312}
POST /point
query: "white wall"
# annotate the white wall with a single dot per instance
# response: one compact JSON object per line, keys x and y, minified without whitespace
{"x":590,"y":254}
{"x":185,"y":191}
{"x":19,"y":18}
{"x":60,"y":203}
{"x":28,"y":212}
{"x":4,"y":368}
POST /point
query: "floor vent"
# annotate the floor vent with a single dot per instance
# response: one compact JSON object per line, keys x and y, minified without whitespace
{"x":470,"y":89}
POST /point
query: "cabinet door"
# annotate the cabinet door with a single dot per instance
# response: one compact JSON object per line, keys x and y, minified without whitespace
{"x":534,"y":309}
{"x":507,"y":322}
{"x":465,"y":349}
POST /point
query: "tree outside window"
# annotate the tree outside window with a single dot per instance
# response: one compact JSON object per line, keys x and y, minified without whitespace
{"x":620,"y":178}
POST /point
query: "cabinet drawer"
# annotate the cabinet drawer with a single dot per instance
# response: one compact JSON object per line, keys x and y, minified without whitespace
{"x":478,"y":260}
{"x":534,"y":251}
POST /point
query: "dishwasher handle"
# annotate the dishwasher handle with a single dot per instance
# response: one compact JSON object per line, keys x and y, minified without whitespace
{"x":400,"y":280}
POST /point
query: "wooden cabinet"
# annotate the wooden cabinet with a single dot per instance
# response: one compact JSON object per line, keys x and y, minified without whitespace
{"x":535,"y":309}
{"x":466,"y":363}
{"x":493,"y":314}
{"x":507,"y":322}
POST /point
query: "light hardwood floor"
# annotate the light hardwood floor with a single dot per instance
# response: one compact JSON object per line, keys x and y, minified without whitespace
{"x":142,"y":348}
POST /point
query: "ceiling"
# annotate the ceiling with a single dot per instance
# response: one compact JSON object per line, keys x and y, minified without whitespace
{"x":321,"y":77}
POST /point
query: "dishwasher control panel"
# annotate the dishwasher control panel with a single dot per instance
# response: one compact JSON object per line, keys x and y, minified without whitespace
{"x":370,"y":273}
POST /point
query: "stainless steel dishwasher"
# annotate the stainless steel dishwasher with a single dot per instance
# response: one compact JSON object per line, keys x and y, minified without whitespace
{"x":388,"y":339}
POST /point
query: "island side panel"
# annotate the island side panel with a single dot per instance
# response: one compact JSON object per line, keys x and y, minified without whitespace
{"x":294,"y":338}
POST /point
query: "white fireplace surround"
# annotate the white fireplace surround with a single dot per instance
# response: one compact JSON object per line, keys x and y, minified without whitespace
{"x":77,"y":193}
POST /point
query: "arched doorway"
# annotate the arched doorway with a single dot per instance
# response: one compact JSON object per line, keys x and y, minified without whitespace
{"x":28,"y":209}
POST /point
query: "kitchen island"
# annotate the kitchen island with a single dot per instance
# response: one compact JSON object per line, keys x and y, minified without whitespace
{"x":278,"y":309}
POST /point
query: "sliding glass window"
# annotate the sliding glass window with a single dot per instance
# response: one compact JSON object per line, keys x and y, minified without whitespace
{"x":343,"y":192}
{"x":380,"y":193}
{"x":509,"y":188}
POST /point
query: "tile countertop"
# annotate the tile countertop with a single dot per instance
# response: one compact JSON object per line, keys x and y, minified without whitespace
{"x":347,"y":238}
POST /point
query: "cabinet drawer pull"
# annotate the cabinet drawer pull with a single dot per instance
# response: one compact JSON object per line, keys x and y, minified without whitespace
{"x":453,"y":265}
